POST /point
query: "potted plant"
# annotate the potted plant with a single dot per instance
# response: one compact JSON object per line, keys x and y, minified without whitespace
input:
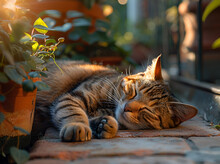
{"x":23,"y":57}
{"x":95,"y":46}
{"x":86,"y":29}
{"x":64,"y":12}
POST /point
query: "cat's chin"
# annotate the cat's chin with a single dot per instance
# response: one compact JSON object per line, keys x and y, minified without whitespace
{"x":119,"y":110}
{"x":126,"y":123}
{"x":123,"y":118}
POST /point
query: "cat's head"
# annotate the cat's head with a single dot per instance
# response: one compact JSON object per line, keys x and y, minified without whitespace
{"x":146,"y":102}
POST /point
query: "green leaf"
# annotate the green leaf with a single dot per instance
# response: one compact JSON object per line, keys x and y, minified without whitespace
{"x":26,"y":66}
{"x":2,"y":116}
{"x":43,"y":52}
{"x":63,"y":28}
{"x":211,"y":6}
{"x":34,"y":74}
{"x":43,"y":74}
{"x":21,"y":71}
{"x":216,"y":43}
{"x":20,"y":156}
{"x":39,"y":21}
{"x":40,"y":36}
{"x":74,"y":35}
{"x":95,"y":37}
{"x":50,"y":22}
{"x":28,"y":85}
{"x":7,"y":54}
{"x":73,"y":14}
{"x":28,"y":35}
{"x":3,"y":78}
{"x":35,"y":46}
{"x":30,"y":43}
{"x":31,"y":63}
{"x":81,"y":22}
{"x":78,"y":33}
{"x":18,"y":29}
{"x":41,"y":86}
{"x":102,"y":25}
{"x":37,"y":60}
{"x":92,"y":38}
{"x":41,"y":27}
{"x":51,"y":13}
{"x":21,"y":130}
{"x":48,"y":41}
{"x":12,"y":73}
{"x":26,"y":38}
{"x":26,"y":55}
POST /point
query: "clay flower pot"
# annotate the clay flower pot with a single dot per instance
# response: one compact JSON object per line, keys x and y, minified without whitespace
{"x":18,"y":109}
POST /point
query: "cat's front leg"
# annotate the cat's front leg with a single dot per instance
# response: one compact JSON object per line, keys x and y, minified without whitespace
{"x":75,"y":131}
{"x":104,"y":127}
{"x":68,"y":115}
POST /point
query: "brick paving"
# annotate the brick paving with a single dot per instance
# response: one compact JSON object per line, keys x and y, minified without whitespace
{"x":194,"y":142}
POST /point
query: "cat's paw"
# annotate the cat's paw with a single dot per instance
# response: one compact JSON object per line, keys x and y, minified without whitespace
{"x":75,"y":132}
{"x":107,"y":127}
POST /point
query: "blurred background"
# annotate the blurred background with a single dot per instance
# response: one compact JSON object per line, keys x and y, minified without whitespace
{"x":132,"y":32}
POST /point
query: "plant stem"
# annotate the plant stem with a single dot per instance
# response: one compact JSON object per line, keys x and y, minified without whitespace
{"x":57,"y":64}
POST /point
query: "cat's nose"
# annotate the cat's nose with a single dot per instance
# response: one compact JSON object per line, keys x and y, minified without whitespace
{"x":127,"y":108}
{"x":130,"y":107}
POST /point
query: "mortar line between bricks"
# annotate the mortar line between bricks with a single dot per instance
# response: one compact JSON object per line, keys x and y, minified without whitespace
{"x":193,"y":146}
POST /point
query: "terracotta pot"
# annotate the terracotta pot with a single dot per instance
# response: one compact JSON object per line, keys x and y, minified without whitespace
{"x":18,"y":109}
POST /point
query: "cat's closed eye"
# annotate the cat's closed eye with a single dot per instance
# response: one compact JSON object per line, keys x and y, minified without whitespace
{"x":130,"y":91}
{"x":144,"y":109}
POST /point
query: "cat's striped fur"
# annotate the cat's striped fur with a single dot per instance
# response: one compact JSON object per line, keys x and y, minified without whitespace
{"x":91,"y":100}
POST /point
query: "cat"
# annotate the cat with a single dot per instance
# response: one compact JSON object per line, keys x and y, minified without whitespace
{"x":92,"y":101}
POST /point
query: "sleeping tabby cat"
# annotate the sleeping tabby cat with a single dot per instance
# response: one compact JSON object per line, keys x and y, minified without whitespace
{"x":91,"y":100}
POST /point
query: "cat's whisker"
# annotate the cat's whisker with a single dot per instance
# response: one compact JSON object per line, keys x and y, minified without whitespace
{"x":110,"y":95}
{"x":126,"y":73}
{"x":129,"y":70}
{"x":114,"y":87}
{"x":143,"y":66}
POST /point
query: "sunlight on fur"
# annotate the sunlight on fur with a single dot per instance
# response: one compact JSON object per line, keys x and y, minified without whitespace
{"x":92,"y":101}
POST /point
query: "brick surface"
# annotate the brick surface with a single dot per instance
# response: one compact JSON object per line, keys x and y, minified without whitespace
{"x":119,"y":160}
{"x":206,"y":142}
{"x":47,"y":161}
{"x":201,"y":143}
{"x":195,"y":127}
{"x":204,"y":156}
{"x":207,"y":149}
{"x":134,"y":160}
{"x":109,"y":147}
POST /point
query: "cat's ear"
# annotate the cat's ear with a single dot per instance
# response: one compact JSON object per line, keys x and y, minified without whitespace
{"x":157,"y":69}
{"x":154,"y":70}
{"x":181,"y":112}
